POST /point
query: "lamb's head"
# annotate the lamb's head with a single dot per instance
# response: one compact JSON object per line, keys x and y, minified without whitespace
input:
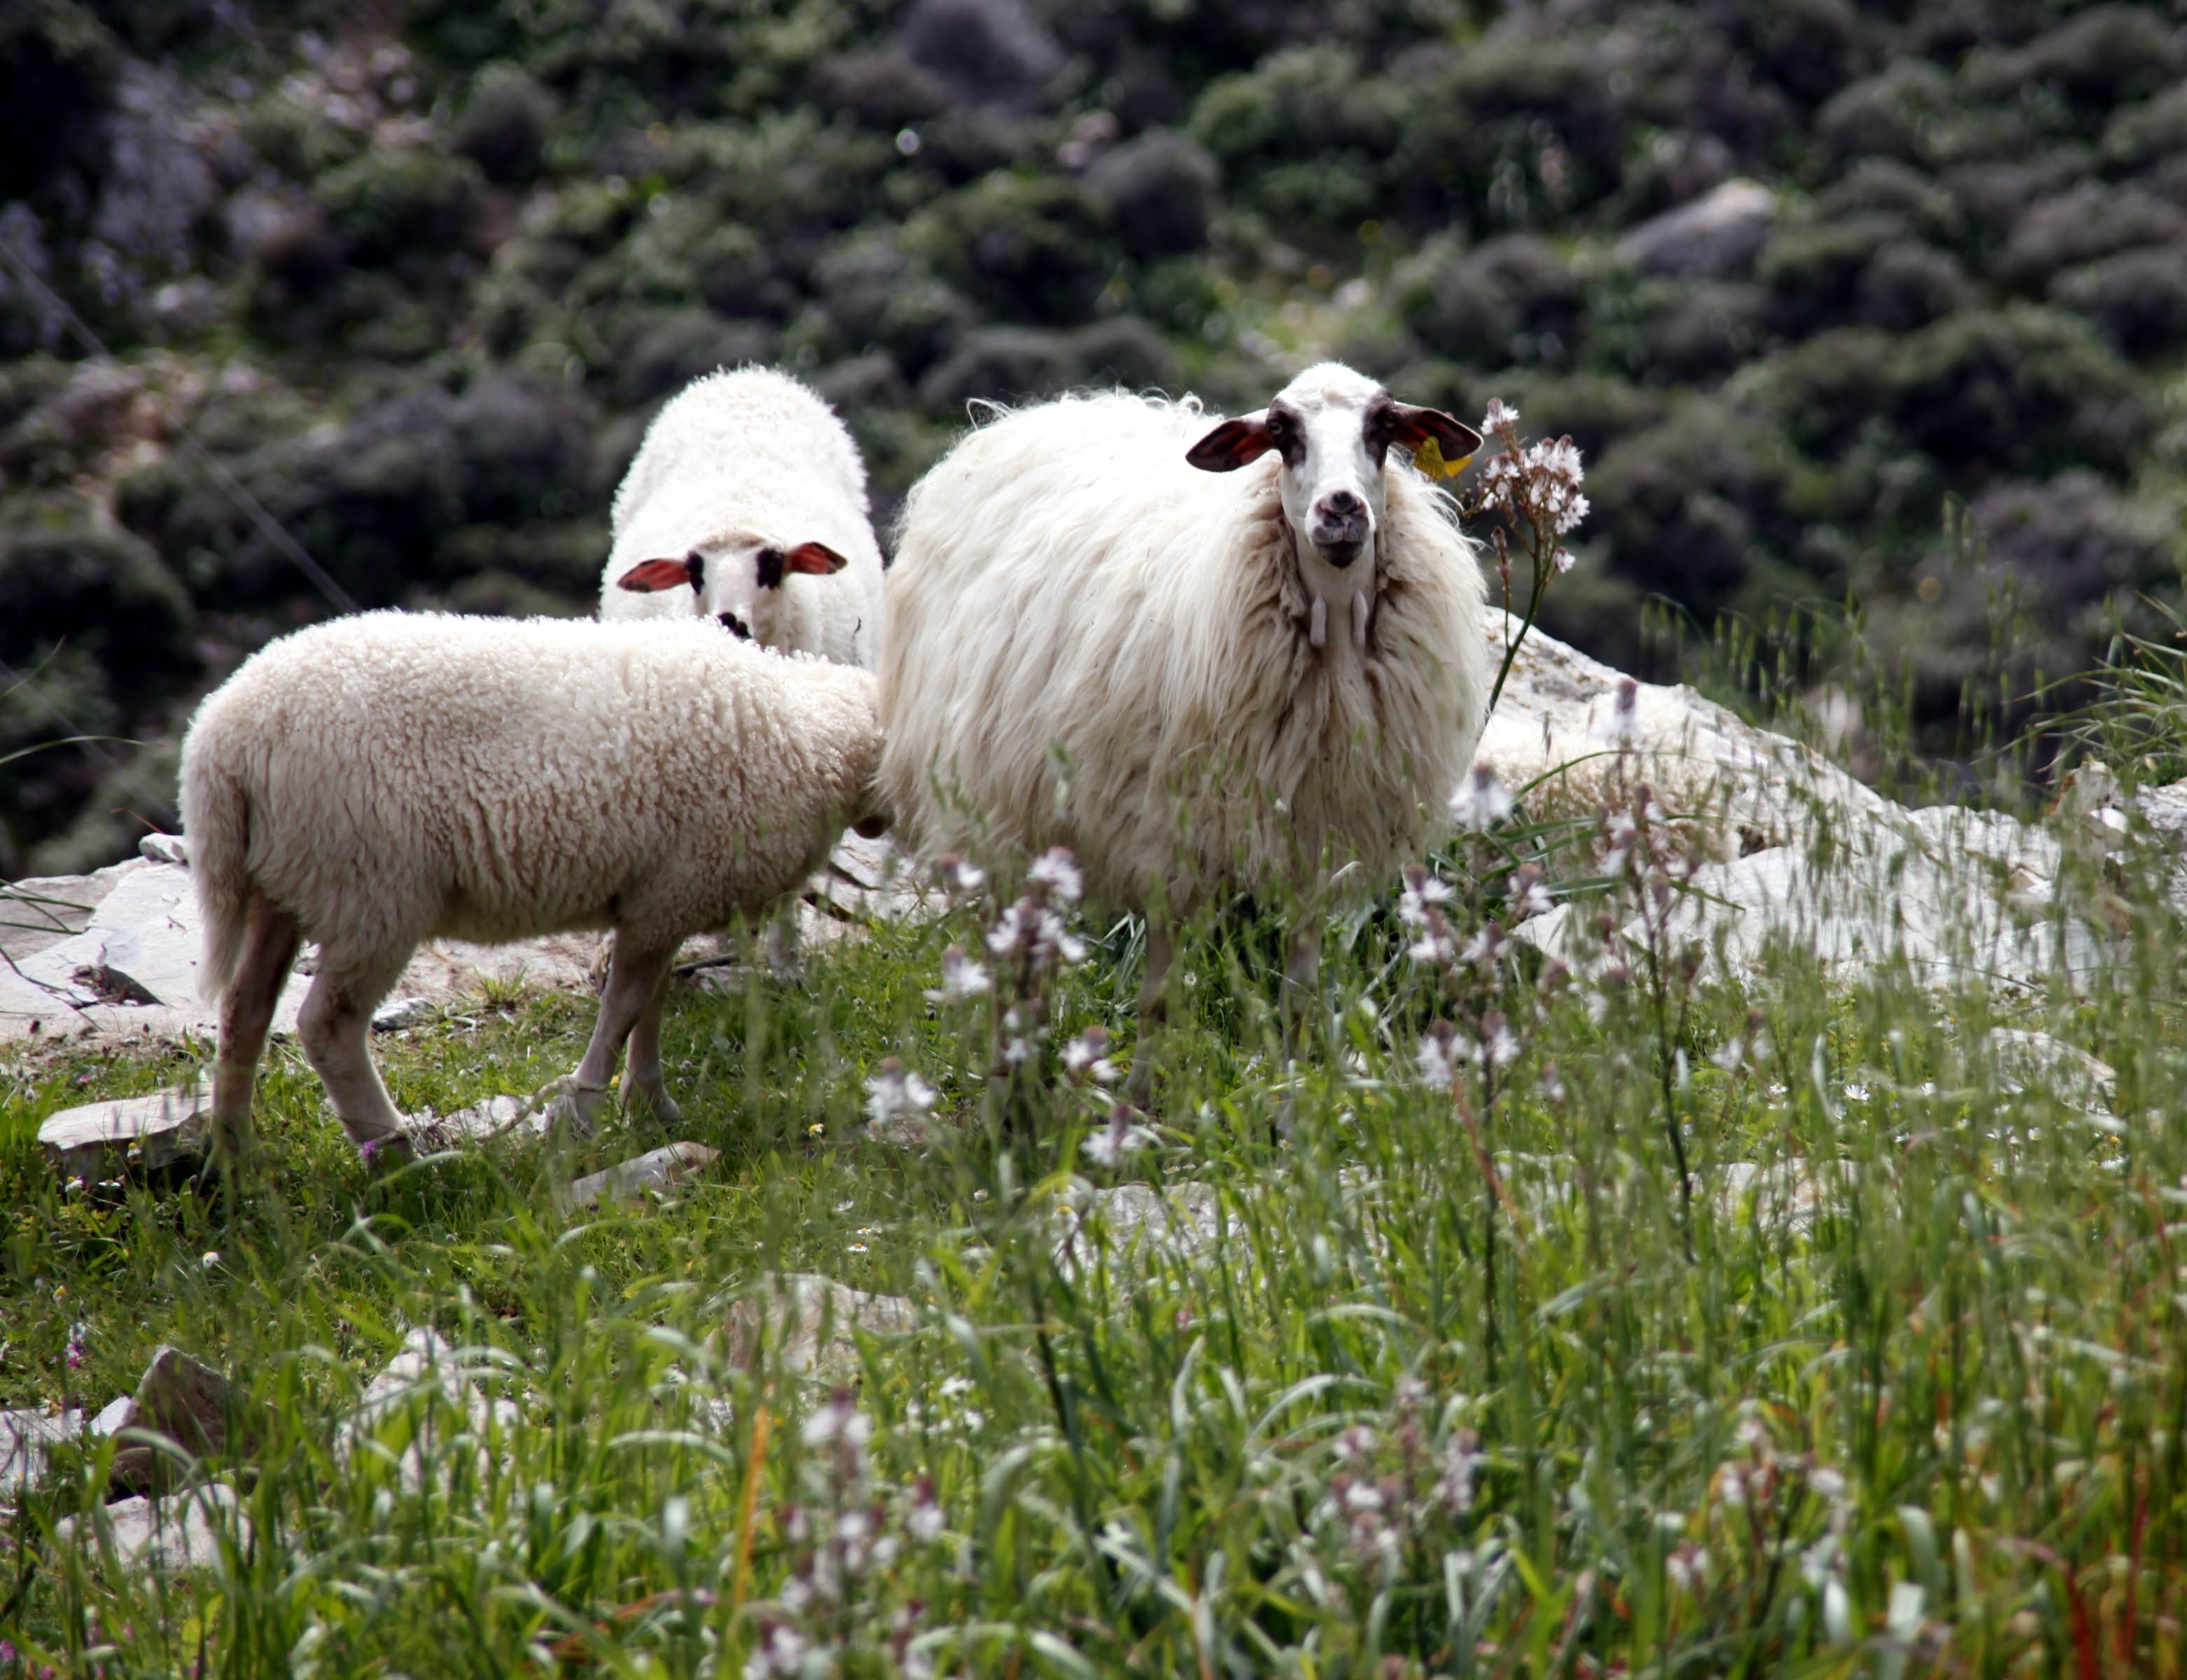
{"x":737,"y":582}
{"x":1333,"y":427}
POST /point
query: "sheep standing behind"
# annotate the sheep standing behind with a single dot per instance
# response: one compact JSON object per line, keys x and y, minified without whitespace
{"x":747,"y":505}
{"x":384,"y":779}
{"x":1253,"y":682}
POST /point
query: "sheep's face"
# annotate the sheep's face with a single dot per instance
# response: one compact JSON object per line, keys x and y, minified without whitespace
{"x":1333,"y":428}
{"x":738,"y":584}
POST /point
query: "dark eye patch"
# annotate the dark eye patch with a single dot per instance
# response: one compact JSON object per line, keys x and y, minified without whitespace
{"x":771,"y":563}
{"x":1287,"y":434}
{"x":735,"y":625}
{"x":1378,"y":427}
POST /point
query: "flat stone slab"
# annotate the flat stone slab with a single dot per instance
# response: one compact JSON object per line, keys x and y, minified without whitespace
{"x":809,"y":1325}
{"x":107,"y":1140}
{"x":27,"y":1440}
{"x":180,"y":1532}
{"x":118,"y":951}
{"x":657,"y":1171}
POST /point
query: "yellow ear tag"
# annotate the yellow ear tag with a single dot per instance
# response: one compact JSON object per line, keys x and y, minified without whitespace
{"x":1428,"y":457}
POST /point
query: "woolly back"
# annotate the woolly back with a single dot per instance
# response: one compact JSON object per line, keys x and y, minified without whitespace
{"x":1070,"y":596}
{"x":749,"y":454}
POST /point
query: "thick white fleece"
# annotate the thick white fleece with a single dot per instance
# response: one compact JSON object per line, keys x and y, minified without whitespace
{"x":1066,"y":580}
{"x":394,"y":776}
{"x":738,"y":462}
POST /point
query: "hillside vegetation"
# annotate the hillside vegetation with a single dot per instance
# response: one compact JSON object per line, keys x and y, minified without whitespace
{"x":417,"y":274}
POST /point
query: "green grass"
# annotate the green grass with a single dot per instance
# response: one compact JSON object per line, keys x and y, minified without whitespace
{"x":1930,"y":1422}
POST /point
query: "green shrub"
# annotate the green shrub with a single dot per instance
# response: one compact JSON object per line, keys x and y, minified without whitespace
{"x":1027,"y":247}
{"x":2019,"y":390}
{"x":395,"y":201}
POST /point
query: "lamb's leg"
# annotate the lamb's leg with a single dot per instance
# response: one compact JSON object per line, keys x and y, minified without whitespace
{"x":645,"y":1078}
{"x":1154,"y":1010}
{"x":1301,"y":1009}
{"x":334,"y":1025}
{"x":633,"y":984}
{"x":246,"y":1016}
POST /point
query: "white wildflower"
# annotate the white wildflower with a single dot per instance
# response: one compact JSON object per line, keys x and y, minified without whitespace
{"x":1422,"y":890}
{"x":1438,"y":1056}
{"x":1088,"y":1054}
{"x":1118,"y":1139}
{"x":894,"y":1090}
{"x":1530,"y":894}
{"x":1480,"y":802}
{"x":960,"y":875}
{"x":1435,"y":945}
{"x":839,"y":1419}
{"x":1461,"y":1460}
{"x":1687,"y":1568}
{"x":1487,"y":948}
{"x":1499,"y":1045}
{"x":1057,"y":870}
{"x":1829,"y":1483}
{"x":961,"y":976}
{"x":1499,"y":415}
{"x":1620,"y":726}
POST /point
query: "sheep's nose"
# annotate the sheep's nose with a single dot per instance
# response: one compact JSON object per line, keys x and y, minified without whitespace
{"x":1339,"y":527}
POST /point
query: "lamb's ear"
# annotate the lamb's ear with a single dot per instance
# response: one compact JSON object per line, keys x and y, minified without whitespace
{"x":1415,"y":426}
{"x":1231,"y":445}
{"x":650,"y":577}
{"x":814,"y":560}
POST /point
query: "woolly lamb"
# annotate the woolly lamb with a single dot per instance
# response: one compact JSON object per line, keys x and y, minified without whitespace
{"x":384,"y":779}
{"x":1264,"y":681}
{"x":745,"y":496}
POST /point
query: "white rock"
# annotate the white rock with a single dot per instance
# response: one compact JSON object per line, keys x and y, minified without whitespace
{"x":165,"y":849}
{"x":1177,"y":1223}
{"x":1719,"y":232}
{"x":657,"y":1171}
{"x":808,"y":1326}
{"x":1956,"y":895}
{"x":2027,"y":1060}
{"x":435,"y":1389}
{"x":401,"y":1012}
{"x":180,"y":1532}
{"x":105,"y":1140}
{"x":1745,"y":787}
{"x":27,"y":1439}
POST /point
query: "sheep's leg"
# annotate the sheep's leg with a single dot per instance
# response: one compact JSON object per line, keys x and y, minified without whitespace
{"x":633,"y":984}
{"x":1302,"y":1007}
{"x":246,"y":1016}
{"x":645,"y":1055}
{"x":1154,"y":1010}
{"x":334,"y":1025}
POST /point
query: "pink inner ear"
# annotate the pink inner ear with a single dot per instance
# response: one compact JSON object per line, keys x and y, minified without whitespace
{"x":814,"y":560}
{"x":651,"y":577}
{"x":1230,"y":446}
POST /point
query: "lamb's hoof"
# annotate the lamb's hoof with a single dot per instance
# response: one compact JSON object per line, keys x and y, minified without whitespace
{"x":391,"y":1152}
{"x":656,"y":1102}
{"x":570,"y":1108}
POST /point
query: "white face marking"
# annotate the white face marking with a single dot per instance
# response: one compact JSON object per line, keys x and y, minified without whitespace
{"x":1334,"y":493}
{"x":733,"y":587}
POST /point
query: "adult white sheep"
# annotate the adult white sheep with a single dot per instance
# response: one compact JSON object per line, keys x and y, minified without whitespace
{"x":745,"y":499}
{"x":383,"y":779}
{"x":1266,"y":680}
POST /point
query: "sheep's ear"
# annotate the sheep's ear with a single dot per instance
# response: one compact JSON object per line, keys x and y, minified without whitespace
{"x":1415,"y":426}
{"x":814,"y":560}
{"x":650,"y":577}
{"x":1231,"y":445}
